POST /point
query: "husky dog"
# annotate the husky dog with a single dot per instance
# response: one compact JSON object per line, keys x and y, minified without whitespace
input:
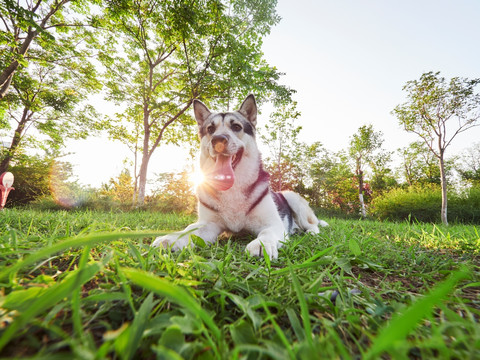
{"x":235,"y":195}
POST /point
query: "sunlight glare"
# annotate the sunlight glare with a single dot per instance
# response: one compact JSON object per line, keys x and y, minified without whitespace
{"x":196,"y":177}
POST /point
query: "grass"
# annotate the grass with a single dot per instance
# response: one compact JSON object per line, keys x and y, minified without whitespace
{"x":87,"y":285}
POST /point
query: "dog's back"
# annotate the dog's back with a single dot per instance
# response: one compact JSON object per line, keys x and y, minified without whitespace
{"x":296,"y":213}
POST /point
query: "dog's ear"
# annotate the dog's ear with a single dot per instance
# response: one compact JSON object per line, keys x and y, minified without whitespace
{"x":249,"y":109}
{"x":201,"y":112}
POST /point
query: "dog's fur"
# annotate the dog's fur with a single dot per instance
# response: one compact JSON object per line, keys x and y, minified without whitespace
{"x":240,"y":198}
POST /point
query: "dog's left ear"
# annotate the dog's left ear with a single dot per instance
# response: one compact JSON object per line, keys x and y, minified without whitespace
{"x":201,"y":112}
{"x":249,"y":109}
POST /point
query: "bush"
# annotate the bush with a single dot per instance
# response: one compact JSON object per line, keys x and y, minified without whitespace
{"x":420,"y":203}
{"x":424,"y":204}
{"x":465,"y":208}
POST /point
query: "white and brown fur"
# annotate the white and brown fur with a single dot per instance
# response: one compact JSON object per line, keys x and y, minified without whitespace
{"x":249,"y":205}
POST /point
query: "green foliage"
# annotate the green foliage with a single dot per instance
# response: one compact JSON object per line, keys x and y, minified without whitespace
{"x":465,"y":206}
{"x":281,"y":138}
{"x":46,"y":74}
{"x":419,"y":164}
{"x":469,"y":165}
{"x":32,"y":179}
{"x":418,"y":203}
{"x":423,"y":203}
{"x":88,"y":284}
{"x":333,"y":183}
{"x":120,"y":189}
{"x":58,"y":30}
{"x":173,"y":192}
{"x":438,"y":110}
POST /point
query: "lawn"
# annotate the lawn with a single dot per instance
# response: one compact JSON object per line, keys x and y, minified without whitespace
{"x":87,"y":285}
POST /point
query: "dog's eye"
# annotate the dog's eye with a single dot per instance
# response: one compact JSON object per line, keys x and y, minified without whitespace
{"x":236,"y":127}
{"x":211,"y":129}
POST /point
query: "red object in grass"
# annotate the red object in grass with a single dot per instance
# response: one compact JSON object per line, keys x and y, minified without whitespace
{"x":6,"y":182}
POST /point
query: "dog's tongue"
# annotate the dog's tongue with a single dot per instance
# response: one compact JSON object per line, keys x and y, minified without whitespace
{"x":222,"y":176}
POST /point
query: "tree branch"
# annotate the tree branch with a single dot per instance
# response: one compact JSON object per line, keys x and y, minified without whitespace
{"x":160,"y":136}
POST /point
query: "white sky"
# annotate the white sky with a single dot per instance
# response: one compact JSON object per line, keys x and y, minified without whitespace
{"x":348,"y":61}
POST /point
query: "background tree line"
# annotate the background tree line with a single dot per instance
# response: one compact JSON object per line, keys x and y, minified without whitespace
{"x":152,"y":58}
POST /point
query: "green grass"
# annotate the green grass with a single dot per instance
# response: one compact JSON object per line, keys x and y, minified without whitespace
{"x":87,"y":285}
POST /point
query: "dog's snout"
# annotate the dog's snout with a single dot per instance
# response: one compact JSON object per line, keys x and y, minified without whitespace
{"x":223,"y":139}
{"x":219,"y":142}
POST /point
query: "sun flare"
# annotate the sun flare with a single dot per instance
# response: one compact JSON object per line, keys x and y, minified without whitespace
{"x":196,"y":177}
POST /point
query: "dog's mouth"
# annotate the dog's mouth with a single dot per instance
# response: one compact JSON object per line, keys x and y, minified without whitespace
{"x":222,"y":177}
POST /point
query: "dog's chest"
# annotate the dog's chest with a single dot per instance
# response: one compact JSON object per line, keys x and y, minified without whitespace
{"x":232,"y":209}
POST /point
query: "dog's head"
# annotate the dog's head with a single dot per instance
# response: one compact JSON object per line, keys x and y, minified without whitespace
{"x":225,"y":139}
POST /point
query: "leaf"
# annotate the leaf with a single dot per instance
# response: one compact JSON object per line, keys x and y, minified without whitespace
{"x":172,"y":338}
{"x":242,"y":333}
{"x":295,"y":323}
{"x":344,"y":263}
{"x":266,"y":257}
{"x":21,"y":300}
{"x":354,"y":247}
{"x":198,"y":241}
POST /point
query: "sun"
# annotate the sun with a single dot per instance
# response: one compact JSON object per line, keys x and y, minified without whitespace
{"x":196,"y":177}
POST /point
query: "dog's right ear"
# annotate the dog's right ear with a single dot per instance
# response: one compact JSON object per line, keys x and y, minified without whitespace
{"x":201,"y":112}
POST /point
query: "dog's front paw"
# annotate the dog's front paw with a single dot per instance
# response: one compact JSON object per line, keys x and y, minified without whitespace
{"x":255,"y":248}
{"x":173,"y":240}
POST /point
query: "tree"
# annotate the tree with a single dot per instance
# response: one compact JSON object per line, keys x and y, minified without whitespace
{"x":120,"y":189}
{"x":382,"y":178}
{"x":174,"y":192}
{"x":469,"y":166}
{"x":281,"y":138}
{"x":420,"y":166}
{"x":46,"y":109}
{"x":332,"y":182}
{"x":35,"y":24}
{"x":363,"y":146}
{"x":437,"y":111}
{"x":176,"y":51}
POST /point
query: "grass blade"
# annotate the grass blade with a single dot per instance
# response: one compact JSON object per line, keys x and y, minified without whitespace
{"x":174,"y":292}
{"x":129,"y":340}
{"x":401,"y":325}
{"x":303,"y":309}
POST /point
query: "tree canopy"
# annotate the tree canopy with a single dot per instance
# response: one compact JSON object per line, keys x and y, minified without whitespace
{"x":172,"y":52}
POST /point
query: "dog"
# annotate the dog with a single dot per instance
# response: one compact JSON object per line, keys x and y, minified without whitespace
{"x":235,"y":195}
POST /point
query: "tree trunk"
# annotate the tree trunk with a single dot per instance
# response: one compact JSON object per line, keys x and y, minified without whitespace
{"x":142,"y":181}
{"x":443,"y":179}
{"x":17,"y":136}
{"x":359,"y":173}
{"x":360,"y":193}
{"x":7,"y":74}
{"x":142,"y":176}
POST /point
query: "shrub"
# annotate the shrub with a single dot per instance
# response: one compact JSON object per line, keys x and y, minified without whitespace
{"x":465,"y":207}
{"x":420,"y":203}
{"x":424,"y":204}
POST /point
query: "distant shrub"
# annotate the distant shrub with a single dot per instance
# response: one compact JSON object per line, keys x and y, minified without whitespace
{"x":465,"y":207}
{"x":90,"y":200}
{"x":420,"y":203}
{"x":424,"y":204}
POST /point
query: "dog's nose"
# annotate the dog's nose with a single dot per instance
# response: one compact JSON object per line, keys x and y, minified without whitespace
{"x":219,"y":142}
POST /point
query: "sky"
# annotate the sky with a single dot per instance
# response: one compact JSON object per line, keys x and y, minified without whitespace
{"x":348,"y":60}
